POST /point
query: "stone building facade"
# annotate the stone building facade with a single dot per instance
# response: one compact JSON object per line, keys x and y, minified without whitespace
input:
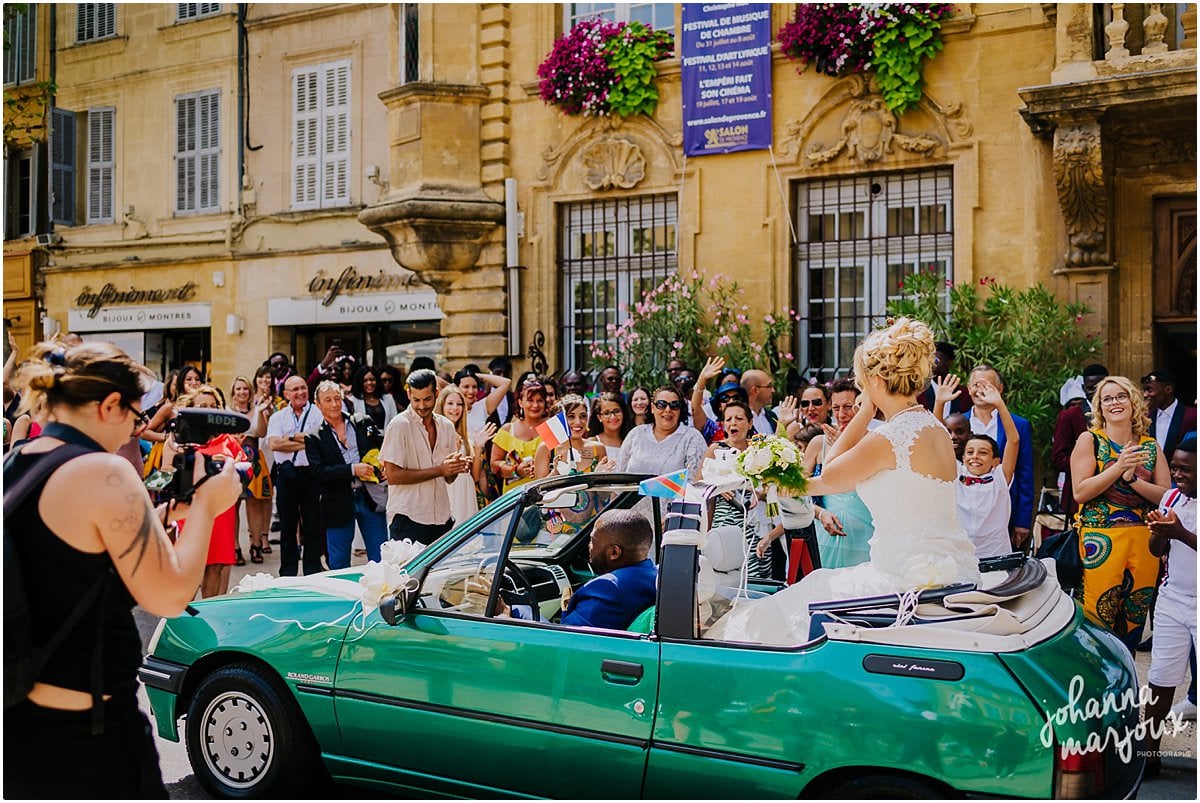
{"x":1054,"y":143}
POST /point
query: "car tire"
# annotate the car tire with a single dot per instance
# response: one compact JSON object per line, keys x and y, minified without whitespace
{"x":247,"y":738}
{"x":887,"y":787}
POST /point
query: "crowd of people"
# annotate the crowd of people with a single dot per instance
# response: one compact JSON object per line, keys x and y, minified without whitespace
{"x":344,"y":450}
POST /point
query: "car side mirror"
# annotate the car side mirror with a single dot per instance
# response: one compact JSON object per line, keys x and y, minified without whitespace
{"x":394,"y":608}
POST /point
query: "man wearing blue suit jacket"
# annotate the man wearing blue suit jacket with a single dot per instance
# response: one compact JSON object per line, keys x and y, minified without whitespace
{"x":626,"y":581}
{"x":625,"y":585}
{"x":984,"y":421}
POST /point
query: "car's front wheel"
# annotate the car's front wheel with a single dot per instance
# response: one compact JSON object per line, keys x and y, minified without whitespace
{"x":247,"y":738}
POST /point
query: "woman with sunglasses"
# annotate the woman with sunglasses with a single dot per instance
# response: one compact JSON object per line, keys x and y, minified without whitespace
{"x":91,"y":539}
{"x":814,"y":404}
{"x":610,"y":423}
{"x":1118,"y":474}
{"x":666,"y":445}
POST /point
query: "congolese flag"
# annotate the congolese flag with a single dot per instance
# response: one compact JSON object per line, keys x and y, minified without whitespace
{"x":554,"y":431}
{"x":666,"y":486}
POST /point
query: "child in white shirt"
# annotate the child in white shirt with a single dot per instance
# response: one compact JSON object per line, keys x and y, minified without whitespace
{"x":1173,"y":534}
{"x":981,"y":490}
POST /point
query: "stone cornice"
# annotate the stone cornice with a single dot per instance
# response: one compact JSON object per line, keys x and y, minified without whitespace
{"x":433,"y":90}
{"x":1044,"y":103}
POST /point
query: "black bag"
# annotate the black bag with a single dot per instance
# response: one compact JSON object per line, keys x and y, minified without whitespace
{"x":22,"y":662}
{"x":1064,"y":548}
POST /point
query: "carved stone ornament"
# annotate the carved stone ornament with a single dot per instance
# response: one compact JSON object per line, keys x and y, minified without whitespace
{"x":647,"y":131}
{"x":1079,"y":179}
{"x":613,"y":162}
{"x":868,"y":131}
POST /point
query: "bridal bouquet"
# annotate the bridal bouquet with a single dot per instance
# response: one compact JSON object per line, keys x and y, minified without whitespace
{"x":772,"y":461}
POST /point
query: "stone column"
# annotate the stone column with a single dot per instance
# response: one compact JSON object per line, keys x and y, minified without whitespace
{"x":1073,"y":43}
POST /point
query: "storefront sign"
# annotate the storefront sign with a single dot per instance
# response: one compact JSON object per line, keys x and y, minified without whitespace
{"x":109,"y":296}
{"x":367,"y":308}
{"x":349,"y":281}
{"x":726,"y":77}
{"x":160,"y":316}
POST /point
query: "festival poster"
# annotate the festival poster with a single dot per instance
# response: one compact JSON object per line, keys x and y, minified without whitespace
{"x":726,"y":75}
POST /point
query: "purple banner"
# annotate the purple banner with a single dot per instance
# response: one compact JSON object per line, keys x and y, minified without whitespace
{"x":726,"y":75}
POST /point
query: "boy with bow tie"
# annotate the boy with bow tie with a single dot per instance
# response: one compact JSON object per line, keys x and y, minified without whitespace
{"x":983,"y":481}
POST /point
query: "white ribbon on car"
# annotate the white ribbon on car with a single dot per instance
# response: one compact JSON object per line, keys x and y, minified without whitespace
{"x":379,"y":580}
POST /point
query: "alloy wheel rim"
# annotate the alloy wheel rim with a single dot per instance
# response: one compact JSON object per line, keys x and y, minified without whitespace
{"x":238,"y":740}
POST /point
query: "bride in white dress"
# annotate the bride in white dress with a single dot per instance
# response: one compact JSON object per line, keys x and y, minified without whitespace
{"x":904,"y":471}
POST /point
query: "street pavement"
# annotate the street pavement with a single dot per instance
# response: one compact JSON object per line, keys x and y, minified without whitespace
{"x":1177,"y":782}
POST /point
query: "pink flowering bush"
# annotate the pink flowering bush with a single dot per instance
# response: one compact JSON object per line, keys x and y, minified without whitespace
{"x":599,"y":68}
{"x":690,"y":318}
{"x":888,"y":40}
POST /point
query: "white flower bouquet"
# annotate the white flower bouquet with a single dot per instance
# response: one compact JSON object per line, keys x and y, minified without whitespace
{"x":772,"y":461}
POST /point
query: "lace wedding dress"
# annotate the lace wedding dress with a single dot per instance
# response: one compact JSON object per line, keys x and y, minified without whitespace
{"x":918,"y":543}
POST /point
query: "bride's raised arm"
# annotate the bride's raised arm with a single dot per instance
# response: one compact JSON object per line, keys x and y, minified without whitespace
{"x":855,"y":430}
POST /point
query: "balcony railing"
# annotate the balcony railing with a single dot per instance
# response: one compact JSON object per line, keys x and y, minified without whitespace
{"x":1124,"y":30}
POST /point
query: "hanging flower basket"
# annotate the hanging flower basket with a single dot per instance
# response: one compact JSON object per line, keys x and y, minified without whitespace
{"x":889,"y":40}
{"x":601,"y":68}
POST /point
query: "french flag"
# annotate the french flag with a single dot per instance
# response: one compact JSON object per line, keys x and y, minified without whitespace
{"x":554,"y":431}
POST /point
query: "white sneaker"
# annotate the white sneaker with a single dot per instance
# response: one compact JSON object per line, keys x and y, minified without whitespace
{"x":1184,"y":710}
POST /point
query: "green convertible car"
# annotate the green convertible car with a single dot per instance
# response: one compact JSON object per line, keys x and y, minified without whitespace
{"x":999,"y":691}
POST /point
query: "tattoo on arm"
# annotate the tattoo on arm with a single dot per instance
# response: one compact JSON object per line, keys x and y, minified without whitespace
{"x":139,"y":519}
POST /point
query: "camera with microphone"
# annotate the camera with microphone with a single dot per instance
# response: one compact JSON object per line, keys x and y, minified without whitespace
{"x":192,"y":428}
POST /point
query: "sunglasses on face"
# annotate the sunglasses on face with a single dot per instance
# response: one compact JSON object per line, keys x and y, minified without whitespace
{"x":663,"y":404}
{"x":726,"y":399}
{"x":810,"y":403}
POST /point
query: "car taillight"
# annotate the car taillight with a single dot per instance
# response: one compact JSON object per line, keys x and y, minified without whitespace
{"x":1078,"y":776}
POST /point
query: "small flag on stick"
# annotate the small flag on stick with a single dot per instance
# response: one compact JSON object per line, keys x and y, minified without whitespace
{"x":554,"y":431}
{"x":666,"y":486}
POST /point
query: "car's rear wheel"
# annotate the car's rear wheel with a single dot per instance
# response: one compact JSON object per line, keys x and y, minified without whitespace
{"x":247,"y":738}
{"x":887,"y":787}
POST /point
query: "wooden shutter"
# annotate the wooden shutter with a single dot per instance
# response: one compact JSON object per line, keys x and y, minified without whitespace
{"x":100,"y":165}
{"x":106,"y":19}
{"x":305,"y":138}
{"x":85,"y":21}
{"x":335,"y":157}
{"x":62,"y":165}
{"x":185,"y":153}
{"x":209,"y":147}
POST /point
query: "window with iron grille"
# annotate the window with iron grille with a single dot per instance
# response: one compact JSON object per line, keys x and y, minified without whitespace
{"x":410,"y":51}
{"x":95,"y":21}
{"x":20,"y":45}
{"x":610,"y":253}
{"x":192,"y":11}
{"x":101,"y":162}
{"x":198,"y":151}
{"x":858,"y":239}
{"x":659,"y":16}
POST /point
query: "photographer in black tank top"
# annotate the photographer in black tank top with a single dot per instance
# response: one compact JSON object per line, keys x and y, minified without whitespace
{"x":91,"y":525}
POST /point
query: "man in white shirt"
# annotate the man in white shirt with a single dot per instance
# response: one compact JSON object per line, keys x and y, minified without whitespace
{"x":1170,"y":419}
{"x":295,"y":489}
{"x":421,"y":455}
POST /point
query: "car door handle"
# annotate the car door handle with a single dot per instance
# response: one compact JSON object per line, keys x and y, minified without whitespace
{"x":625,"y":673}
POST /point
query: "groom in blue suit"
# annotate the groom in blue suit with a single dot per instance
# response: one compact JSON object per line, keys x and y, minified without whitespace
{"x":984,"y":420}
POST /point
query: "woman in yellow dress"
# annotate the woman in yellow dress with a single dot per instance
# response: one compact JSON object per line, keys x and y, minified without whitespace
{"x":1118,"y":474}
{"x":517,"y":441}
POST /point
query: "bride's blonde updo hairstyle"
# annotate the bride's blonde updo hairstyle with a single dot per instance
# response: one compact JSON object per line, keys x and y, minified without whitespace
{"x":79,"y":375}
{"x":902,"y":355}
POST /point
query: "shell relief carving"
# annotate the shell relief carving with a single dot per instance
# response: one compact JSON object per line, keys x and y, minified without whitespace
{"x":612,"y":162}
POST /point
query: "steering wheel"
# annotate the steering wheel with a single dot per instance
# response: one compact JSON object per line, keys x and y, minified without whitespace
{"x":517,"y":589}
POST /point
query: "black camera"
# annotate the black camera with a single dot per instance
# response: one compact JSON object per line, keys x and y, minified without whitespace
{"x":193,"y":427}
